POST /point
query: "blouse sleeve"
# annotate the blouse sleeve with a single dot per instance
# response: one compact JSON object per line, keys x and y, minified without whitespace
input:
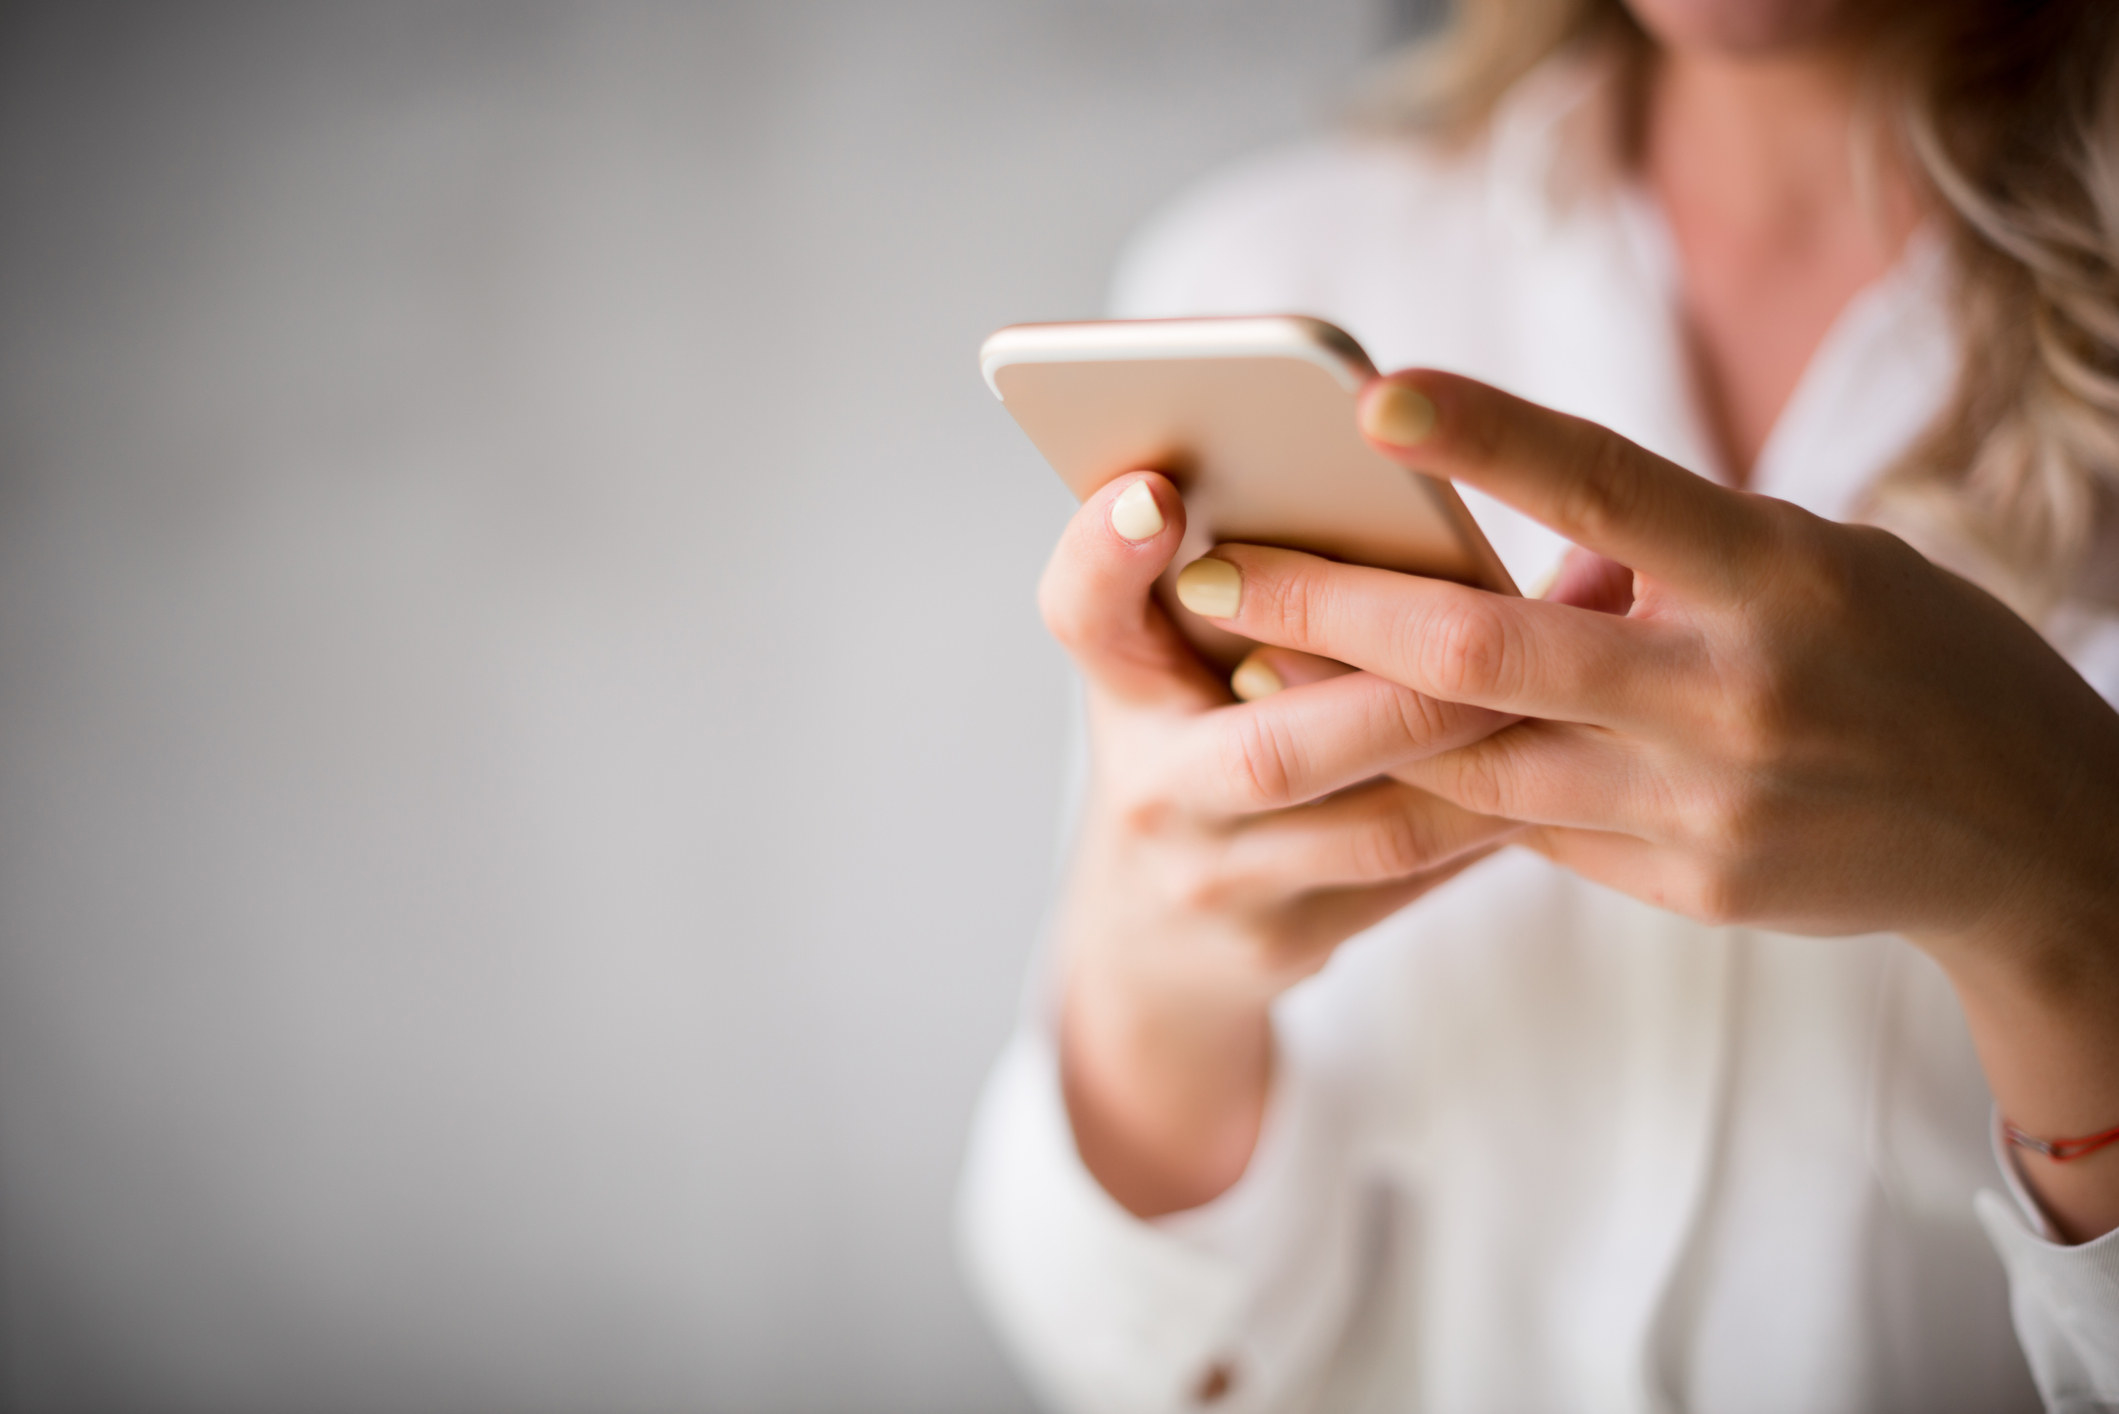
{"x":1236,"y":1305}
{"x":2065,"y":1303}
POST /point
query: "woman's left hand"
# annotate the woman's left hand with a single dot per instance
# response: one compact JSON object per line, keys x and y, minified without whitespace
{"x":1797,"y":724}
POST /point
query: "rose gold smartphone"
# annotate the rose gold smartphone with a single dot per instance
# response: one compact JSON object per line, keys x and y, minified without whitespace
{"x":1253,"y":419}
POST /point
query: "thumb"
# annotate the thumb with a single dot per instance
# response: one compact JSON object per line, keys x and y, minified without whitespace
{"x":1098,"y":601}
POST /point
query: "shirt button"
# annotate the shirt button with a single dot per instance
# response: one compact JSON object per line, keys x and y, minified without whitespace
{"x":1215,"y":1382}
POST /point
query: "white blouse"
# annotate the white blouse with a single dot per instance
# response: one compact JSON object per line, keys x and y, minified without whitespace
{"x":1533,"y":1145}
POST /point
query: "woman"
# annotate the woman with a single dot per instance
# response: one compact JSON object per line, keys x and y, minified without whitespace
{"x":1767,"y":871}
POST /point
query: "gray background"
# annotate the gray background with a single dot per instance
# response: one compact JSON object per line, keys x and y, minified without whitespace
{"x":527,"y":760}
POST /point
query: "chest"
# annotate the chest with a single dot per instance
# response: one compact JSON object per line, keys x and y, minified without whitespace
{"x":1753,"y":307}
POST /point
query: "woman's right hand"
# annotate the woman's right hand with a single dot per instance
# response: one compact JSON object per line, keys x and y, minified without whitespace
{"x":1225,"y":850}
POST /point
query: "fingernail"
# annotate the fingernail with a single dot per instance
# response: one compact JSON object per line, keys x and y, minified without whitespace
{"x":1398,"y":414}
{"x":1134,"y":515}
{"x":1254,"y":678}
{"x":1210,"y":588}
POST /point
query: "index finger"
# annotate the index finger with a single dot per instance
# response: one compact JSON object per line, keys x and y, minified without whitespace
{"x":1526,"y":657}
{"x":1599,"y":490}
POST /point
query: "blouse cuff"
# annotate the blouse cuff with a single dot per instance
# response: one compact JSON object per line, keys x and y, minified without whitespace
{"x":1104,"y":1310}
{"x":2065,"y":1299}
{"x":1220,"y":1306}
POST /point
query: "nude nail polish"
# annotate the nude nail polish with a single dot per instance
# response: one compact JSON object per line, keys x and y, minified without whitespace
{"x":1210,"y":588}
{"x":1134,"y":514}
{"x":1398,"y":415}
{"x":1254,"y":678}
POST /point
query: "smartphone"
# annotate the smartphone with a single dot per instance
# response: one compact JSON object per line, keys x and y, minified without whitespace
{"x":1253,"y":419}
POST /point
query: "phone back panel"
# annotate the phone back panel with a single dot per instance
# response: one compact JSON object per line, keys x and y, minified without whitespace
{"x":1253,"y":419}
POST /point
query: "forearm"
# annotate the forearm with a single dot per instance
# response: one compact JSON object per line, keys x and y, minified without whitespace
{"x":1165,"y":1084}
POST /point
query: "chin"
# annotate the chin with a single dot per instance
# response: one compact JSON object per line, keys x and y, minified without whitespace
{"x":1749,"y":27}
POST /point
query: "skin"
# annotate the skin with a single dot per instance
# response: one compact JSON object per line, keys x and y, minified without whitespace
{"x":1774,"y":230}
{"x":1726,"y":707}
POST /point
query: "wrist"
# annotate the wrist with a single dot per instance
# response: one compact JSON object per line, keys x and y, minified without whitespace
{"x":2040,"y":992}
{"x":1166,"y":1087}
{"x":2037,"y":897}
{"x":2031,"y":879}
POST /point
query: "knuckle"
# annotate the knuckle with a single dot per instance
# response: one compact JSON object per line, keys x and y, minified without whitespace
{"x":1870,"y":544}
{"x":1605,"y":491}
{"x":1707,"y":898}
{"x":1393,"y":846}
{"x":1735,"y":823}
{"x":1293,"y":603}
{"x":1727,"y":821}
{"x":1418,"y":720}
{"x":1464,"y":650}
{"x":1477,"y":429}
{"x":1289,"y":954}
{"x":1475,"y":781}
{"x":1721,"y":894}
{"x":1759,"y":714}
{"x":1196,"y":886}
{"x":1819,"y":567}
{"x":1146,"y":817}
{"x":1796,"y":645}
{"x":1257,"y":759}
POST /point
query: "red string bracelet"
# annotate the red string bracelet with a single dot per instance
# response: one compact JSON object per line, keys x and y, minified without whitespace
{"x":2059,"y":1150}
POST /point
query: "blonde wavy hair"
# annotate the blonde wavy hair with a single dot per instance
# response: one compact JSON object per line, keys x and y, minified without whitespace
{"x":2006,"y":112}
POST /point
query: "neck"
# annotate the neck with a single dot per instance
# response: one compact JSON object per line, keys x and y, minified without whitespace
{"x":1780,"y":212}
{"x":1768,"y":147}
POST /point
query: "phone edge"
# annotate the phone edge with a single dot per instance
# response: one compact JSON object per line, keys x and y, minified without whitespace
{"x":1238,"y":336}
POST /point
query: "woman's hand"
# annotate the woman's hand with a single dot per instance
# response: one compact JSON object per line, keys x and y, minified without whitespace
{"x":1226,"y":848}
{"x":1797,"y":724}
